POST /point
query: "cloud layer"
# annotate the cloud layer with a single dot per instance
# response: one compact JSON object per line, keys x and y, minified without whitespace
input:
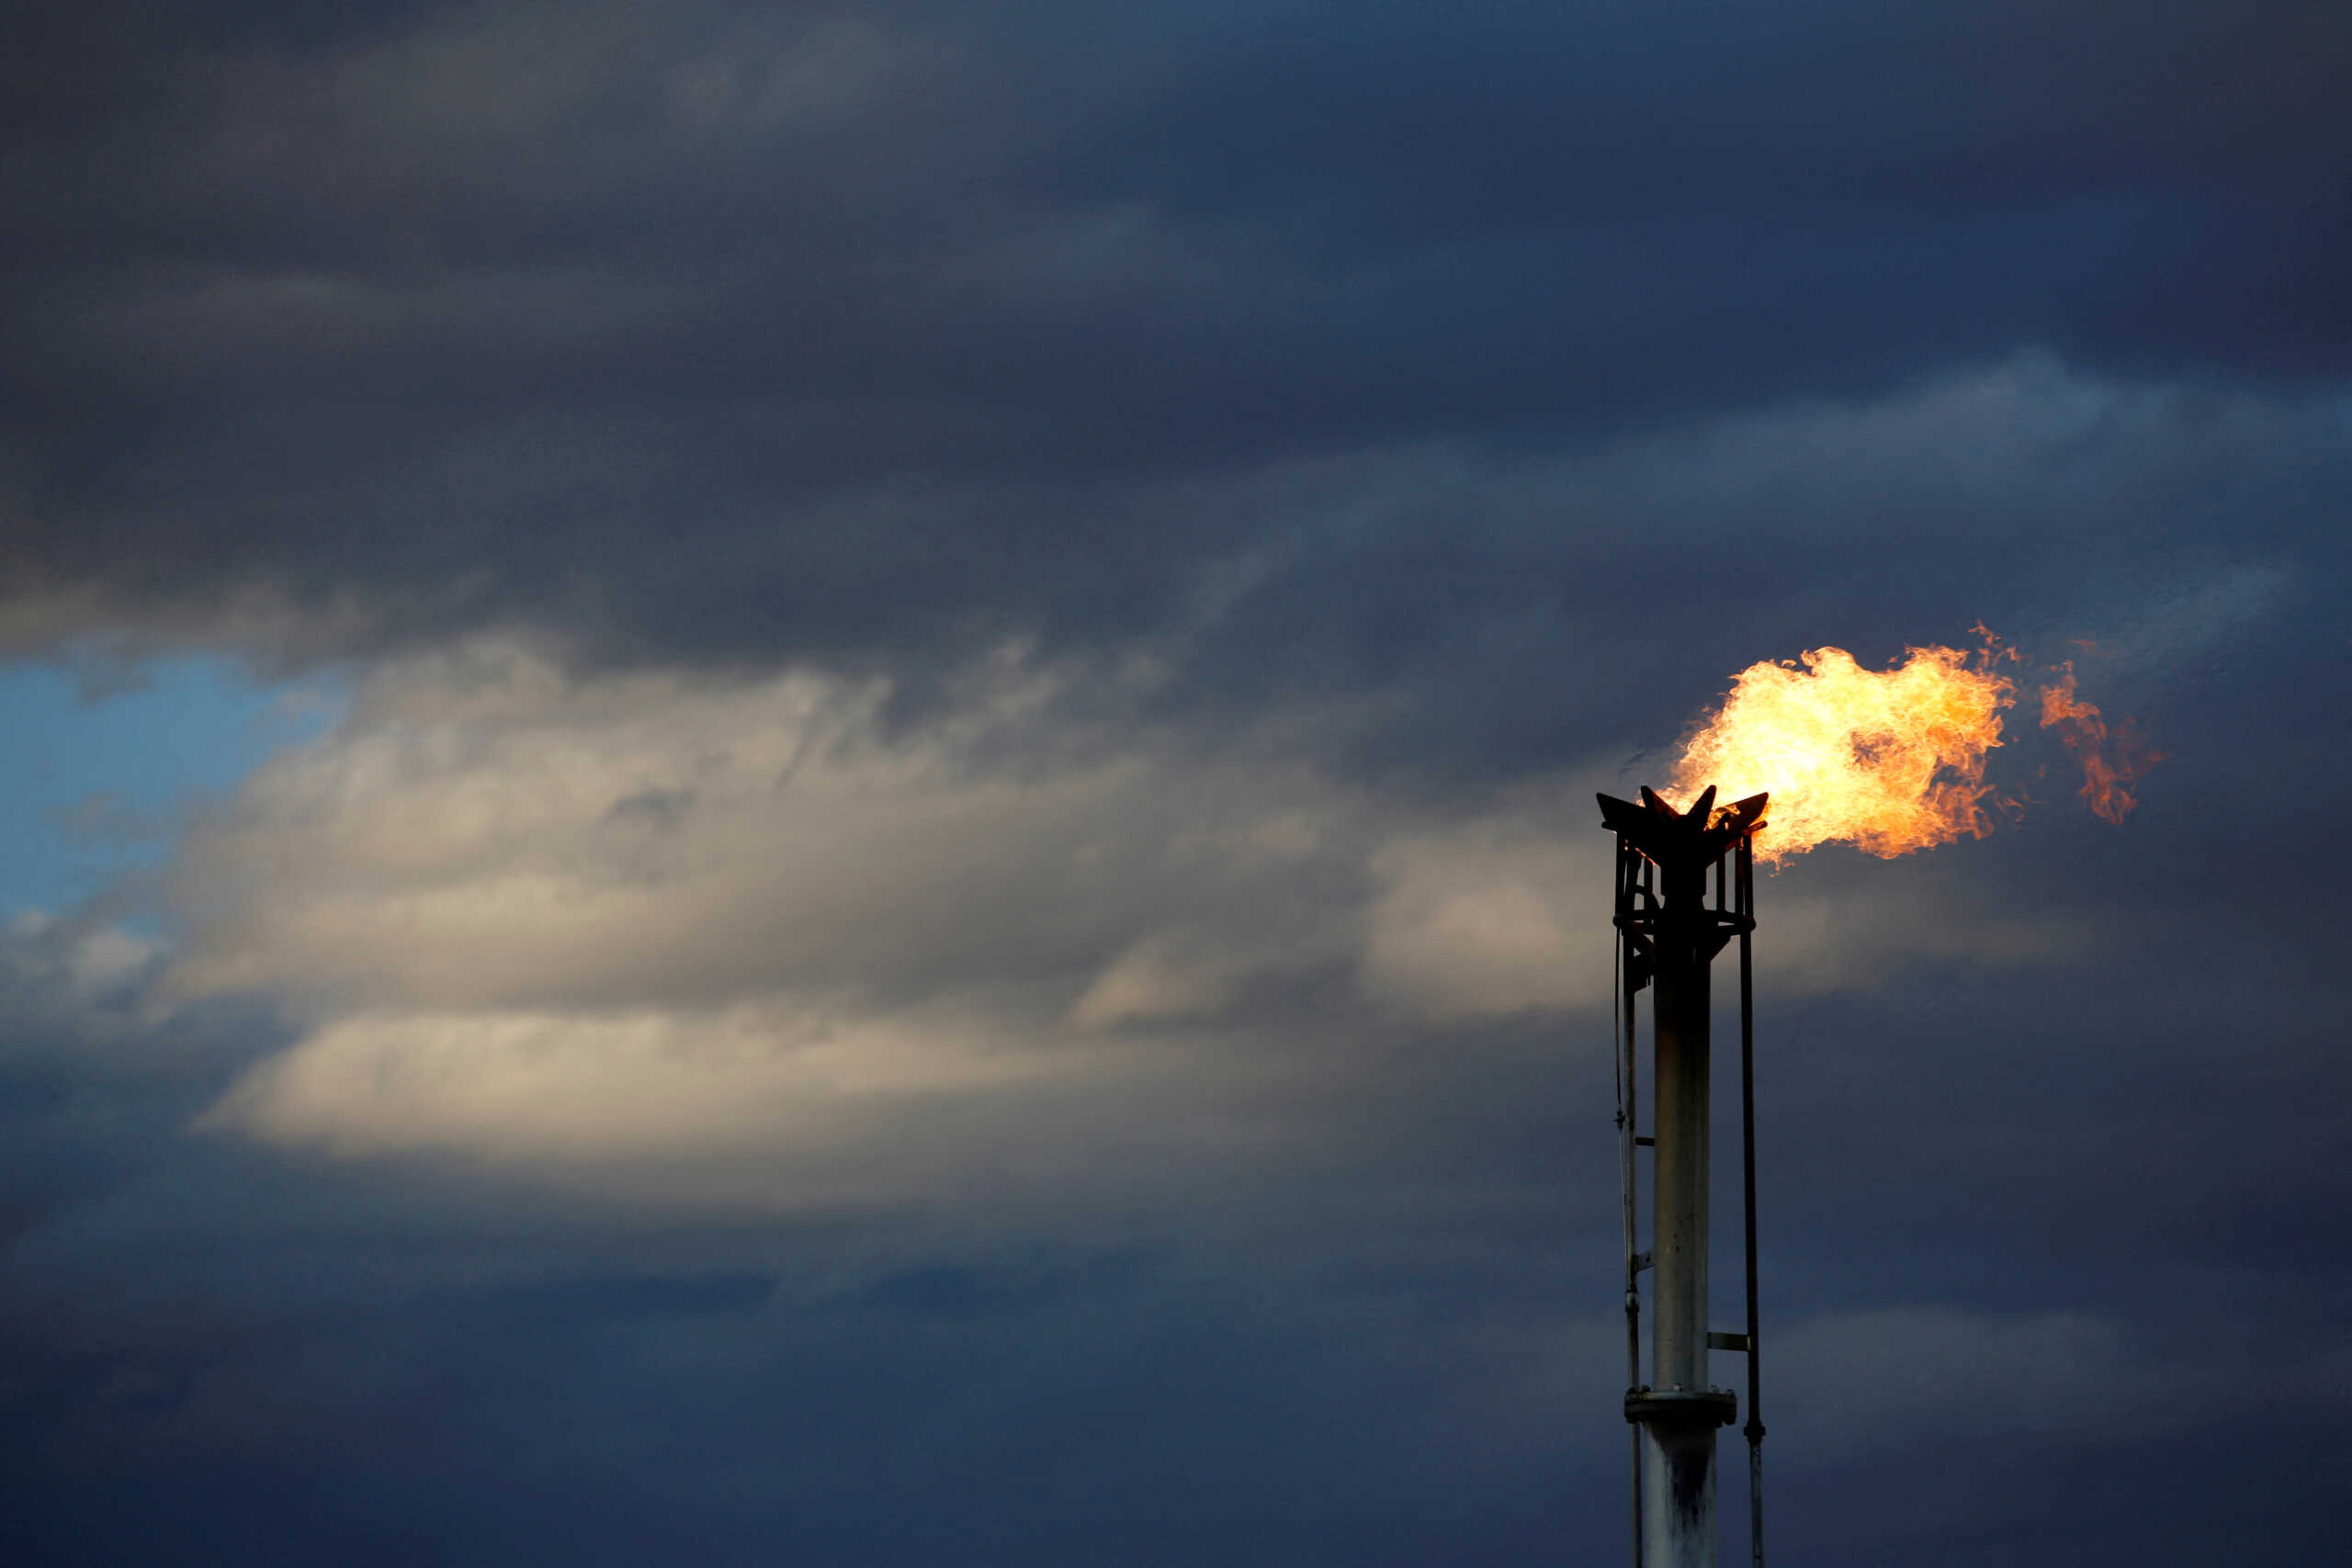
{"x":956,"y":914}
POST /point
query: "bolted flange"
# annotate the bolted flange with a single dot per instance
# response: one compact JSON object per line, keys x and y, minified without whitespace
{"x":1707,"y":1407}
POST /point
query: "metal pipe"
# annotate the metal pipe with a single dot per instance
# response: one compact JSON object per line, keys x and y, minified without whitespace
{"x":1679,"y":1501}
{"x":1627,"y":1099}
{"x":1755,"y":1427}
{"x":1679,"y":1167}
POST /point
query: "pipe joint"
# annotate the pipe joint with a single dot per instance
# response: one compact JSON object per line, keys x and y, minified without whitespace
{"x":1703,"y":1407}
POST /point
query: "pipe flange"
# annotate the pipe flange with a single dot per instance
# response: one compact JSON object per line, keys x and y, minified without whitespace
{"x":1681,"y":1407}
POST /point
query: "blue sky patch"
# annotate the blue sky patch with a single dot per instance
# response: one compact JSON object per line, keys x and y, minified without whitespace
{"x":96,"y":779}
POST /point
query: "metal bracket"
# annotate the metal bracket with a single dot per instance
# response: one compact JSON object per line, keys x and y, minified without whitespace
{"x":1717,"y":1340}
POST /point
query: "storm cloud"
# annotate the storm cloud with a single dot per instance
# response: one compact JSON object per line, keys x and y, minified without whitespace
{"x":947,"y":909}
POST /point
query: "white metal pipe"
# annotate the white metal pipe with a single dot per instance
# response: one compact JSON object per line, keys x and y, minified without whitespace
{"x":1678,"y":1495}
{"x":1678,"y":1442}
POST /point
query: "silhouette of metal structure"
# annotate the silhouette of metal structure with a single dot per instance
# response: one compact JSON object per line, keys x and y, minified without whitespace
{"x":1685,"y":889}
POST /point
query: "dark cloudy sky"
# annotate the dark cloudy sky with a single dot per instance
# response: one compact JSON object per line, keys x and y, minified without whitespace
{"x":812,"y":784}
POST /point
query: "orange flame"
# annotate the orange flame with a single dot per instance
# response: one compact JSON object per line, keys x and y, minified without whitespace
{"x":1889,"y":760}
{"x":2112,"y":762}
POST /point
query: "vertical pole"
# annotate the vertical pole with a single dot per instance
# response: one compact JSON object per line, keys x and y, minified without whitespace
{"x":1679,"y":1349}
{"x":1754,"y":1430}
{"x":1628,"y":1099}
{"x":1679,"y":1492}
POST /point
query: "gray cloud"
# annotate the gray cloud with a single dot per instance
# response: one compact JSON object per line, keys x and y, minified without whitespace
{"x":956,"y":915}
{"x":779,"y":977}
{"x":706,"y":333}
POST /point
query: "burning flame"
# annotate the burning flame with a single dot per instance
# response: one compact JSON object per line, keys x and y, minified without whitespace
{"x":2112,"y":762}
{"x":1889,"y":760}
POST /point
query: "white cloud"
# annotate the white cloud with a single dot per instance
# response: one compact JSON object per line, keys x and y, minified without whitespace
{"x":1164,"y":976}
{"x":740,"y":931}
{"x":1500,"y":914}
{"x":743,"y":933}
{"x":45,"y":959}
{"x":487,"y":832}
{"x":785,"y":1090}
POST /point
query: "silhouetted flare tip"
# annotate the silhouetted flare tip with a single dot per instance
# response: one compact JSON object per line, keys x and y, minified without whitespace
{"x":1667,"y":837}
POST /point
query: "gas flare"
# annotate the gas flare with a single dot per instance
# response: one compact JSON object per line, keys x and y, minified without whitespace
{"x":2112,"y":762}
{"x":1889,"y":760}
